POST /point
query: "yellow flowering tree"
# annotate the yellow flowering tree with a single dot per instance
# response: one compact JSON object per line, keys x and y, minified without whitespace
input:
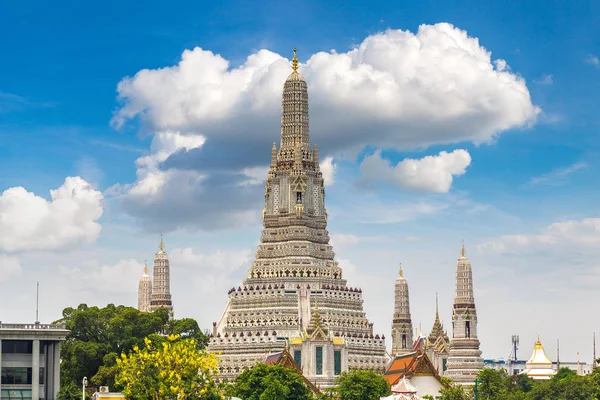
{"x":171,"y":370}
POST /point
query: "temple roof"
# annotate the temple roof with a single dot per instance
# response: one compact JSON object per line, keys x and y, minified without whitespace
{"x":538,"y":358}
{"x":437,"y":331}
{"x":285,"y":359}
{"x":409,"y":365}
{"x":316,"y":329}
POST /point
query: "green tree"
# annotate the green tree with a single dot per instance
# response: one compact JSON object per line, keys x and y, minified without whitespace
{"x":362,"y":385}
{"x":99,"y":335}
{"x":270,"y":382}
{"x":453,"y":391}
{"x":172,"y":370}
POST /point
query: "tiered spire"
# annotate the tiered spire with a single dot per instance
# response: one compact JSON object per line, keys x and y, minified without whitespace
{"x":161,"y":288}
{"x":402,"y":330}
{"x":437,"y":331}
{"x":144,"y":290}
{"x":464,"y":361}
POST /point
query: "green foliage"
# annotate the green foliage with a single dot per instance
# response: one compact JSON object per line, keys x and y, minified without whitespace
{"x":71,"y":391}
{"x":99,"y":335}
{"x":171,"y":370}
{"x":270,"y":382}
{"x":498,"y":385}
{"x":451,"y":391}
{"x":362,"y":385}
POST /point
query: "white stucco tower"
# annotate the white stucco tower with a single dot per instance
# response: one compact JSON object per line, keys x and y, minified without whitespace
{"x":402,"y":330}
{"x":145,"y":291}
{"x":294,"y":270}
{"x":161,"y":287}
{"x":464,"y":359}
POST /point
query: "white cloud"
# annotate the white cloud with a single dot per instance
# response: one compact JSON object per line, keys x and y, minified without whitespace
{"x":558,"y":176}
{"x":214,"y":272}
{"x":9,"y":266}
{"x":430,"y":173}
{"x":339,"y":240}
{"x":166,"y":198}
{"x":328,"y":169}
{"x":545,"y":79}
{"x":594,"y":60}
{"x":396,"y":89}
{"x":121,"y":277}
{"x":30,"y":222}
{"x":558,"y":237}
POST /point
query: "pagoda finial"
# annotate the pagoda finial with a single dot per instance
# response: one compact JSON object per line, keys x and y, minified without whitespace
{"x":462,"y":251}
{"x":400,"y":272}
{"x":295,"y":62}
{"x":146,"y":267}
{"x":437,"y":314}
{"x":161,"y":245}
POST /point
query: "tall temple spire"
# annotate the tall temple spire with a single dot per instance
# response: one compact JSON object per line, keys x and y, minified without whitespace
{"x":295,"y":267}
{"x":464,"y":360}
{"x":402,"y":330}
{"x":144,"y":290}
{"x":161,"y":285}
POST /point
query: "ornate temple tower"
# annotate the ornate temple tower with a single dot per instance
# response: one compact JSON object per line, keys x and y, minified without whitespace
{"x":402,"y":330}
{"x":464,"y":359}
{"x":161,"y":288}
{"x":438,"y":342}
{"x":145,"y":291}
{"x":294,"y":266}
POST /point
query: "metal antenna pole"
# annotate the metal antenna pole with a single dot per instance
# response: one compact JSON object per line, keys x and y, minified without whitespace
{"x":37,"y":304}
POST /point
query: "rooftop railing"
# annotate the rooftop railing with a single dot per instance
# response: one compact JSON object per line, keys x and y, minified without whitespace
{"x":32,"y":326}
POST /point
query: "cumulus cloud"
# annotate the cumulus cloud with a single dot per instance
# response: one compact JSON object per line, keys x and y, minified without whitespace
{"x":396,"y":89}
{"x":9,"y":267}
{"x":30,"y":222}
{"x":430,"y":173}
{"x":170,"y":198}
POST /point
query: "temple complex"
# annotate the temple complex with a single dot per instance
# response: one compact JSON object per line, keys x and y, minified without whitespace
{"x":402,"y":337}
{"x":145,"y":291}
{"x":464,"y":356}
{"x":161,"y":282}
{"x":294,"y":292}
{"x":539,"y":366}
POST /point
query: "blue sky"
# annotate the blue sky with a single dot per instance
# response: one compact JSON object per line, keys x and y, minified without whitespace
{"x":60,"y":65}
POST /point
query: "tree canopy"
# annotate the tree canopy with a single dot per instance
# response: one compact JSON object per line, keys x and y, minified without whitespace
{"x":362,"y":385}
{"x":99,"y":335}
{"x":498,"y":385}
{"x":168,"y":370}
{"x":270,"y":382}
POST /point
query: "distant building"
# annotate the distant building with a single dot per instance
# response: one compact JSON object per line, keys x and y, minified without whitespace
{"x":30,"y":360}
{"x":161,"y":282}
{"x":145,"y":291}
{"x":104,"y":393}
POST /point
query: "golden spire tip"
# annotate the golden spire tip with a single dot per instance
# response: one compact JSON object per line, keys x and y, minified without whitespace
{"x":161,"y":245}
{"x":401,"y":272}
{"x":146,"y":267}
{"x":295,"y":62}
{"x":462,"y":251}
